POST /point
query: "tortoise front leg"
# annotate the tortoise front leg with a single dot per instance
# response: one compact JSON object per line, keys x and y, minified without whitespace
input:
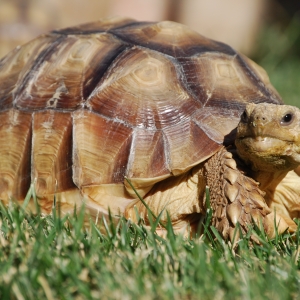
{"x":236,"y":198}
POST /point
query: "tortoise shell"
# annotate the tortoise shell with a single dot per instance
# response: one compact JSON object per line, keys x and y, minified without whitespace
{"x":85,"y":106}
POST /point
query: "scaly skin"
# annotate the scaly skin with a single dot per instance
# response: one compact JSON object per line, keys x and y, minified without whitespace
{"x":237,"y":198}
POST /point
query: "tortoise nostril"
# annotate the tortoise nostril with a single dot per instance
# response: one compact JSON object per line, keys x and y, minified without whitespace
{"x":260,"y":118}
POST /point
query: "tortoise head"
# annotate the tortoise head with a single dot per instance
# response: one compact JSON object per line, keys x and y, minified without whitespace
{"x":268,"y":137}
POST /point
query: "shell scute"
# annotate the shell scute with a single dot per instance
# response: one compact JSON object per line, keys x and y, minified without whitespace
{"x":68,"y":75}
{"x":187,"y":145}
{"x":260,"y":75}
{"x":214,"y":122}
{"x":143,"y":89}
{"x":98,"y":26}
{"x":100,"y":150}
{"x":210,"y":74}
{"x":16,"y":66}
{"x":15,"y":145}
{"x":170,"y":38}
{"x":148,"y":155}
{"x":51,"y":152}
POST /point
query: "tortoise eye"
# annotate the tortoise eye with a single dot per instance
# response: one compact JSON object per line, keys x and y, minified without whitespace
{"x":244,"y":117}
{"x":287,"y":119}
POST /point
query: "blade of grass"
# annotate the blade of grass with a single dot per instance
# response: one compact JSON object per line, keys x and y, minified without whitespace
{"x":27,"y":197}
{"x":145,"y":204}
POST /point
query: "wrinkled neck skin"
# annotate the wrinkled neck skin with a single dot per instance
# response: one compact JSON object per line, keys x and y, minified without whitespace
{"x":268,"y":170}
{"x":281,"y":197}
{"x":268,"y":176}
{"x":268,"y":180}
{"x":265,"y":178}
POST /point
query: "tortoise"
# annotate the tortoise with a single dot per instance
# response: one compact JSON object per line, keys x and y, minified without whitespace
{"x":85,"y":108}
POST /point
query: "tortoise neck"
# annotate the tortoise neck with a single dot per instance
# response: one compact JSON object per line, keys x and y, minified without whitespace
{"x":269,"y":180}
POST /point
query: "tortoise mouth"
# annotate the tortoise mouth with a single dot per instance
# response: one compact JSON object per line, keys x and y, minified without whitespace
{"x":267,"y":153}
{"x":266,"y":144}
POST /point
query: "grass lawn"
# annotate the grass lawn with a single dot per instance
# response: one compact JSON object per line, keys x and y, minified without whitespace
{"x":60,"y":258}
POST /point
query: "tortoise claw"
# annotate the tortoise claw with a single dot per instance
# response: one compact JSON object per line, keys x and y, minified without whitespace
{"x":276,"y":222}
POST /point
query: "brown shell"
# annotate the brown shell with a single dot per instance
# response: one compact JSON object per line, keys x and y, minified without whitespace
{"x":88,"y":105}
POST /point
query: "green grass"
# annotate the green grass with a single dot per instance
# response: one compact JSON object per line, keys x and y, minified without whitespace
{"x":53,"y":258}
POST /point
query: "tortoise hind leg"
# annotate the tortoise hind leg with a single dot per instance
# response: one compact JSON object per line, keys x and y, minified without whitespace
{"x":179,"y":196}
{"x":236,"y":198}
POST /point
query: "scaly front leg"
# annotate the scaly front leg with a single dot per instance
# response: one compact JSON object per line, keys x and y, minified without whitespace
{"x":236,"y":198}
